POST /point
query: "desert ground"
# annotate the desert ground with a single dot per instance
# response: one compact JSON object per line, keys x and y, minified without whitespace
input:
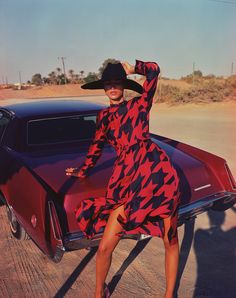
{"x":208,"y":243}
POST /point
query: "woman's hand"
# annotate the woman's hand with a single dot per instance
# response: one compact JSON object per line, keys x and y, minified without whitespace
{"x":74,"y":172}
{"x":129,"y":69}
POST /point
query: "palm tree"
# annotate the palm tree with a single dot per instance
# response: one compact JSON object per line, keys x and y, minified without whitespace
{"x":77,"y":78}
{"x":52,"y":77}
{"x":59,"y":74}
{"x":58,"y":69}
{"x":82,"y":74}
{"x":72,"y":75}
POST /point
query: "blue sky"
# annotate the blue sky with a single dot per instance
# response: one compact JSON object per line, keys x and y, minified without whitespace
{"x":173,"y":33}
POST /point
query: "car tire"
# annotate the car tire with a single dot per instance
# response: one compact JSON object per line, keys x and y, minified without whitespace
{"x":56,"y":258}
{"x":2,"y":200}
{"x":16,"y":229}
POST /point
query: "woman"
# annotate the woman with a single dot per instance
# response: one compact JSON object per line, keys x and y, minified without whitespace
{"x":142,"y":193}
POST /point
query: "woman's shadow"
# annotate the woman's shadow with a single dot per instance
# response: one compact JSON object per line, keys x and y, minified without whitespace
{"x":185,"y":250}
{"x":74,"y":275}
{"x":131,"y":257}
{"x":113,"y":283}
{"x":216,"y":260}
{"x":215,"y":257}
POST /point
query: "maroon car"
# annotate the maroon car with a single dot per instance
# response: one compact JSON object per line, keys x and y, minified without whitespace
{"x":39,"y":140}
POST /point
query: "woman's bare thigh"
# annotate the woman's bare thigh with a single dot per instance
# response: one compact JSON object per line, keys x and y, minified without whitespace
{"x":110,"y":238}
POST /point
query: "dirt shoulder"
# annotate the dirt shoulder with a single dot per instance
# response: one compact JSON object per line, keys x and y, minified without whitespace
{"x":48,"y":91}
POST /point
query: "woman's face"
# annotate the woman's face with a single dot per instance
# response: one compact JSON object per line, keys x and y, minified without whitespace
{"x":114,"y":89}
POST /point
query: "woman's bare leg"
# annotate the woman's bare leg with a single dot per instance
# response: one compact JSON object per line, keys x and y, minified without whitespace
{"x":105,"y":249}
{"x":171,"y":260}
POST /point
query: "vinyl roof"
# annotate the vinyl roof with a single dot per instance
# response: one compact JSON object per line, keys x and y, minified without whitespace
{"x":44,"y":107}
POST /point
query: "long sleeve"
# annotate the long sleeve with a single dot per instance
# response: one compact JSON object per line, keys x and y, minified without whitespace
{"x":151,"y":70}
{"x":95,"y":148}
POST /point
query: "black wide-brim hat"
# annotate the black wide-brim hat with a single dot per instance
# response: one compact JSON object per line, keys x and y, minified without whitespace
{"x":114,"y":71}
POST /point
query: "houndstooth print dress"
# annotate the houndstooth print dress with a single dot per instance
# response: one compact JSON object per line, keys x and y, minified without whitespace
{"x":143,"y":178}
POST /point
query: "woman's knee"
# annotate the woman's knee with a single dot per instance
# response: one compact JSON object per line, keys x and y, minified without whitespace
{"x":104,"y":249}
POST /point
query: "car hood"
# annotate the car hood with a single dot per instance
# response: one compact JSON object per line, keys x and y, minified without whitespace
{"x":196,"y":181}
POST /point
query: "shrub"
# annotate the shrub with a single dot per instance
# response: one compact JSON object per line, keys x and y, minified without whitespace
{"x":211,"y":90}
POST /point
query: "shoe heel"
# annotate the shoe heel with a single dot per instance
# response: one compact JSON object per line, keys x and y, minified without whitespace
{"x":107,"y":293}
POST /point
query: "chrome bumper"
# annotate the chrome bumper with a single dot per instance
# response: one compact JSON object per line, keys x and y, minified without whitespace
{"x":217,"y":202}
{"x":77,"y":240}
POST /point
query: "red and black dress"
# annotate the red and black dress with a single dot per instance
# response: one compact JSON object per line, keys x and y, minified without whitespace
{"x":143,"y":178}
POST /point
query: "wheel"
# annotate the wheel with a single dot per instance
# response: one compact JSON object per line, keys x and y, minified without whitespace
{"x":56,"y":258}
{"x":2,"y":200}
{"x":16,"y":229}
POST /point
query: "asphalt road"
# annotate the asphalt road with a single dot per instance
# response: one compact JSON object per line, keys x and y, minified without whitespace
{"x":207,"y":260}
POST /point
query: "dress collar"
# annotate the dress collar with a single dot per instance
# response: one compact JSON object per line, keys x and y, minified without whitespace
{"x":117,"y":104}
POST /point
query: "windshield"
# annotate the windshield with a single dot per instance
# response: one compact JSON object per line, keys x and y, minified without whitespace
{"x":61,"y":129}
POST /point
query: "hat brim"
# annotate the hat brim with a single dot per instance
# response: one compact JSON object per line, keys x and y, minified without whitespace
{"x":128,"y":84}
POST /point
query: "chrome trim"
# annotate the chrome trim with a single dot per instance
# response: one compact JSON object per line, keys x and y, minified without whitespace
{"x":50,"y":206}
{"x":60,"y":117}
{"x":144,"y":236}
{"x":74,"y":241}
{"x":193,"y":209}
{"x":228,"y":171}
{"x":6,"y":125}
{"x":204,"y":202}
{"x":202,"y":187}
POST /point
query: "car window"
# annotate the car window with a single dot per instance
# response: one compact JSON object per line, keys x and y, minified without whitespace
{"x":61,"y":130}
{"x":4,"y":120}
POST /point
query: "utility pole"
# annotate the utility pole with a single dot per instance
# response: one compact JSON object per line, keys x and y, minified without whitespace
{"x":63,"y":65}
{"x":20,"y":79}
{"x":3,"y":80}
{"x":6,"y":80}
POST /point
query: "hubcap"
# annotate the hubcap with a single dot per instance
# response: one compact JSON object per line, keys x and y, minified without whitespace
{"x":12,"y":219}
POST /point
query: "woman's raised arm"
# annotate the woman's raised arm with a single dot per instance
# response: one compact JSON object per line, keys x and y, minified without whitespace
{"x":149,"y":69}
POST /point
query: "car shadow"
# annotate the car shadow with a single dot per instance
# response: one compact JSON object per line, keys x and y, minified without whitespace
{"x":75,"y":274}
